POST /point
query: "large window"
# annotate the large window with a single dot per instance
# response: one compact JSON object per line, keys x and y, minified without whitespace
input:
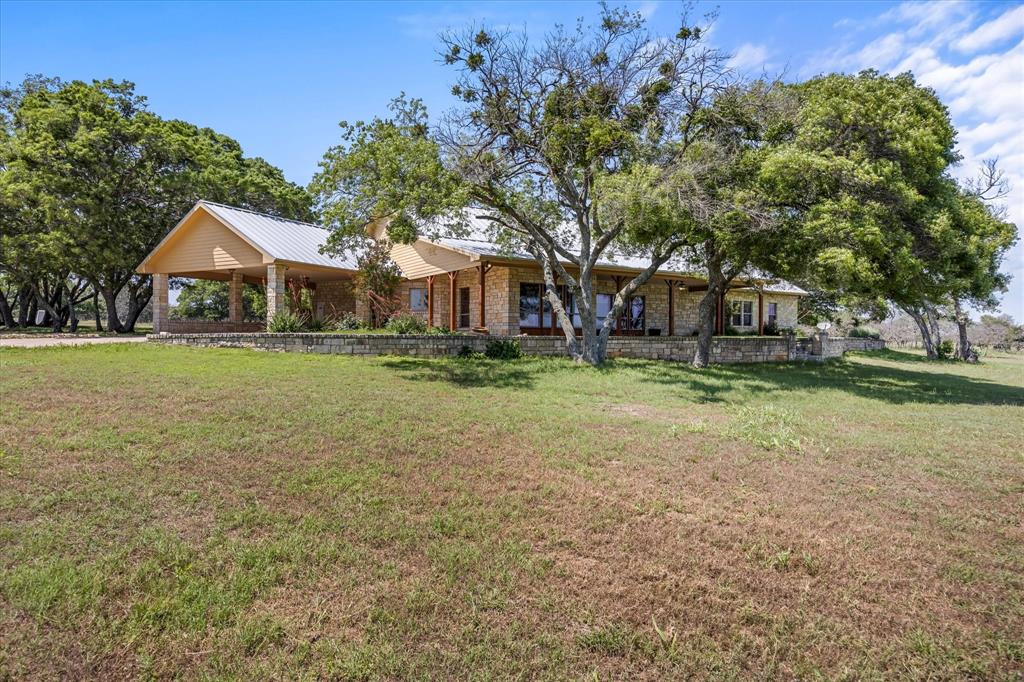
{"x":464,"y":307}
{"x":773,"y":313}
{"x":636,"y":313}
{"x":742,"y":314}
{"x":418,"y":299}
{"x":535,"y":309}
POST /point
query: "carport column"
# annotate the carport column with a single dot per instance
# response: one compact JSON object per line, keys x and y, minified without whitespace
{"x":276,"y":300}
{"x":159,"y":303}
{"x":235,"y":313}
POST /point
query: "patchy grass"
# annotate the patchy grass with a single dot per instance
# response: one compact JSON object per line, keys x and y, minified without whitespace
{"x":174,"y":512}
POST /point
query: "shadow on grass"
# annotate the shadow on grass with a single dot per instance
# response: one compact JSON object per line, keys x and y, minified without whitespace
{"x":895,"y":385}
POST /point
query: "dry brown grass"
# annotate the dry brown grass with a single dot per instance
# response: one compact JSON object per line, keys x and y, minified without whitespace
{"x":195,"y":513}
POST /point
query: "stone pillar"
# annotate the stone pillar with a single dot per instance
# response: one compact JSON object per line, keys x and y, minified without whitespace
{"x":160,"y":306}
{"x":236,"y":313}
{"x":276,"y":295}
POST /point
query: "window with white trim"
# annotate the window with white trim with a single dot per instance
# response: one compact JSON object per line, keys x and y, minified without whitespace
{"x":742,"y":314}
{"x":773,"y":313}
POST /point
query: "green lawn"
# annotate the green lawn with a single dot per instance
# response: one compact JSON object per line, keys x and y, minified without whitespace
{"x":169,"y":512}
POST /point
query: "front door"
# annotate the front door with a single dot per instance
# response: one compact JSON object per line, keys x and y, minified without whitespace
{"x":464,"y":307}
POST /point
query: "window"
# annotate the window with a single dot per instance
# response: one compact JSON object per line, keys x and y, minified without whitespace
{"x":529,"y":305}
{"x":464,"y":307}
{"x":417,"y":299}
{"x":773,"y":313}
{"x":742,"y":314}
{"x":635,"y":313}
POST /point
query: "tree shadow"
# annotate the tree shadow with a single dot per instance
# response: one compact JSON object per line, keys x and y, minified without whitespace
{"x":468,"y":372}
{"x":726,"y":383}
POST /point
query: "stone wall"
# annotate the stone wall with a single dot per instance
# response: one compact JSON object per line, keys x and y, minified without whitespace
{"x":332,"y":300}
{"x":212,"y":327}
{"x":724,"y":349}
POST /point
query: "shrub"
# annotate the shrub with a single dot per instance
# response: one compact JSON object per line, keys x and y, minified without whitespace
{"x":467,"y":353}
{"x":865,"y":333}
{"x":945,"y":350}
{"x":441,"y":331}
{"x":348,"y":322}
{"x":285,"y":322}
{"x":317,"y":324}
{"x":503,"y":349}
{"x":406,"y":323}
{"x":771,"y":329}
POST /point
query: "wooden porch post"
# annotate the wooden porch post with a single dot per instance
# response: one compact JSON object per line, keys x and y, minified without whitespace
{"x":430,"y":300}
{"x":451,"y":300}
{"x":552,"y":332}
{"x":671,"y":307}
{"x":760,"y":313}
{"x":483,"y":269}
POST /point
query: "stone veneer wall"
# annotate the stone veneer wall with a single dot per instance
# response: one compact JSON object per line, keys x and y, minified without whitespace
{"x":334,"y":299}
{"x":503,"y":301}
{"x":173,"y":326}
{"x":724,"y":349}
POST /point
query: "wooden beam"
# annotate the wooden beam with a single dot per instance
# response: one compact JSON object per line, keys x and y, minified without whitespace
{"x":430,"y":300}
{"x":451,"y":300}
{"x":760,"y":313}
{"x":483,"y":269}
{"x":671,"y":307}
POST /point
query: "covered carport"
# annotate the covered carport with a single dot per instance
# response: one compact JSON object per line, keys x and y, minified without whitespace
{"x":218,"y":242}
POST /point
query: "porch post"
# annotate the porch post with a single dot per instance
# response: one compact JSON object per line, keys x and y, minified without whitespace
{"x":451,"y":300}
{"x":235,"y":313}
{"x":276,"y":301}
{"x":671,"y":307}
{"x":760,"y":313}
{"x":430,"y":300}
{"x":159,"y":303}
{"x":483,"y":268}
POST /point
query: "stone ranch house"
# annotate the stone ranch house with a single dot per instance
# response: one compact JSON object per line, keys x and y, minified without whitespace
{"x":467,"y":284}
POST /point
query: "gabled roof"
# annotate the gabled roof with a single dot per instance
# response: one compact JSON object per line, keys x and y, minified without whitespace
{"x":280,"y":238}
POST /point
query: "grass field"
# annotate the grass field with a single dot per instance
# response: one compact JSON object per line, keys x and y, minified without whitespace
{"x":176,"y":512}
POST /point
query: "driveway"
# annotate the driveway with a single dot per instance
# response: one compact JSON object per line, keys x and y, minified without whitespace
{"x":42,"y":342}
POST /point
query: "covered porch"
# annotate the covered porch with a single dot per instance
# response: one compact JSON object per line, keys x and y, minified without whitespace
{"x":221,"y":243}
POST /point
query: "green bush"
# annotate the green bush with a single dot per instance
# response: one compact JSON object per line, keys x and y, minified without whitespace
{"x":317,"y":324}
{"x":285,"y":322}
{"x":348,"y":322}
{"x":945,"y":350}
{"x":865,"y":333}
{"x":441,"y":331}
{"x":503,"y":349}
{"x":467,"y":353}
{"x":406,"y":323}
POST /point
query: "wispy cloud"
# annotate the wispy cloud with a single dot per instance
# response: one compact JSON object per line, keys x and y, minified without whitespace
{"x":750,"y":56}
{"x":1007,"y":25}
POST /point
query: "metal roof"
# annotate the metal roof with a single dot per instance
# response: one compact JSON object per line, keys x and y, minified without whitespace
{"x":280,"y":238}
{"x":477,"y":229}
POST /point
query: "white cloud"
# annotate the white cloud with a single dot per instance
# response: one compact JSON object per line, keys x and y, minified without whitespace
{"x":1007,"y":25}
{"x":984,"y":93}
{"x":749,"y":56}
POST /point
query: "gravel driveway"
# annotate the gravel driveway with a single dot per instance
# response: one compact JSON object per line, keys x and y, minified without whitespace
{"x":45,"y":341}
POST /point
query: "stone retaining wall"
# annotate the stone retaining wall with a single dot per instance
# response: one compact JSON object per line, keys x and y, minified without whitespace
{"x":724,"y":349}
{"x":212,"y":327}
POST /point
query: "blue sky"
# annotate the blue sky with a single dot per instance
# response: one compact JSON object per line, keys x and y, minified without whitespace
{"x":278,"y":77}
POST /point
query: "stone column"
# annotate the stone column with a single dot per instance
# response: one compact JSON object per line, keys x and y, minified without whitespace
{"x":276,"y":295}
{"x":160,"y":306}
{"x":236,"y":312}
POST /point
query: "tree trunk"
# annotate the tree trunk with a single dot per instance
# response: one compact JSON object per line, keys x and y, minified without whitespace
{"x":72,"y":315}
{"x":110,"y":299}
{"x":931,"y":348}
{"x":53,"y":313}
{"x":96,"y":309}
{"x":24,"y":303}
{"x":964,"y":350}
{"x":6,"y":316}
{"x":706,"y":313}
{"x":138,"y":296}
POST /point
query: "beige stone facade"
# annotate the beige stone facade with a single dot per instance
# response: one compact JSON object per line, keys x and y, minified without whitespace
{"x":502,"y":289}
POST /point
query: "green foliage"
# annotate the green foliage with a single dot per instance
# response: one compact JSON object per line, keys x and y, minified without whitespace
{"x":203,"y":299}
{"x":503,"y":349}
{"x":93,"y":181}
{"x":348,"y":322}
{"x":317,"y":324}
{"x":946,"y":349}
{"x":377,"y":281}
{"x":285,"y":322}
{"x":406,"y":323}
{"x":865,"y":333}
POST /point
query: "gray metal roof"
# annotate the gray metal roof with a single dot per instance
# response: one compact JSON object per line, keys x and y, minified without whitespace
{"x":477,"y":229}
{"x":280,"y":238}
